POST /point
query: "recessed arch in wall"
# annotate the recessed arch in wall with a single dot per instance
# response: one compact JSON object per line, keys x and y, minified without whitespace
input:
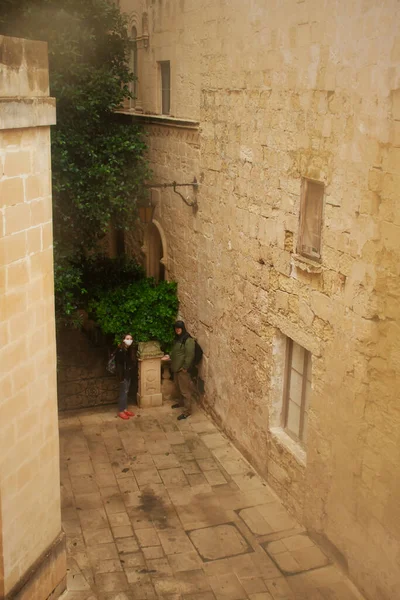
{"x":155,"y":251}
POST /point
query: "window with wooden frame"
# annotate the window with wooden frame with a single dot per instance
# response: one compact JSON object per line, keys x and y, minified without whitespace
{"x":310,"y":230}
{"x":165,"y":70}
{"x":297,"y":391}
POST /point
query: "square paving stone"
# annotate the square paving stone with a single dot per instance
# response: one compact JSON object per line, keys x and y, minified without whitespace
{"x":93,"y":519}
{"x":203,"y":427}
{"x":107,"y":566}
{"x":146,"y":476}
{"x":295,"y":554}
{"x":84,"y":484}
{"x":227,"y":587}
{"x":147,"y":537}
{"x":72,"y":527}
{"x":111,"y":582}
{"x":166,"y":461}
{"x":127,"y":485}
{"x":220,"y":541}
{"x":243,"y":566}
{"x":133,"y":561}
{"x":190,"y":467}
{"x":196,"y":479}
{"x":102,"y":552}
{"x":77,"y":582}
{"x":166,"y":585}
{"x":207,"y":464}
{"x":127,"y":545}
{"x":175,"y":541}
{"x":139,"y":519}
{"x":255,"y":521}
{"x":159,"y":567}
{"x":153,"y":552}
{"x":279,"y":588}
{"x":214,"y":440}
{"x":89,"y":501}
{"x":142,"y":461}
{"x":77,"y":469}
{"x":193,"y":582}
{"x":122,"y":532}
{"x":158,"y":446}
{"x":202,"y":513}
{"x":188,"y":561}
{"x":114,"y":505}
{"x":174,"y":478}
{"x":215,"y":477}
{"x":253,"y":585}
{"x":100,"y":536}
{"x":120,"y":519}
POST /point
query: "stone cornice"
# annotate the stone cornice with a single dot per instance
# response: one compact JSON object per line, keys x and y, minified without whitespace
{"x":20,"y":113}
{"x":161,"y":120}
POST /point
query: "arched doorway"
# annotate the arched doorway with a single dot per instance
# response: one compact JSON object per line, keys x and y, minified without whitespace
{"x":155,"y":252}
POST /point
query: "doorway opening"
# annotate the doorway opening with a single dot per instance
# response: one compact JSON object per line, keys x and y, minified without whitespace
{"x":155,"y":252}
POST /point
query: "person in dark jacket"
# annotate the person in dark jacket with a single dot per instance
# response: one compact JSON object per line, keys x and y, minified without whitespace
{"x":182,"y":357}
{"x":126,"y":368}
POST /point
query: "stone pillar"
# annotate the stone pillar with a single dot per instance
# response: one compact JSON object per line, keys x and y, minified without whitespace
{"x":32,"y":545}
{"x":149,"y":394}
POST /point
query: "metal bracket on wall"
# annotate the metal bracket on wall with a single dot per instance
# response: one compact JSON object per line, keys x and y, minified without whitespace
{"x":194,"y":184}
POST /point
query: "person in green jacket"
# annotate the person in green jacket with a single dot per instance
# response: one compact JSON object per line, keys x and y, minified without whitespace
{"x":182,"y":357}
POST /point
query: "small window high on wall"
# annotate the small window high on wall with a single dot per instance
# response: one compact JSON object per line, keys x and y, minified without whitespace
{"x":311,"y":204}
{"x":165,"y":70}
{"x":297,"y":391}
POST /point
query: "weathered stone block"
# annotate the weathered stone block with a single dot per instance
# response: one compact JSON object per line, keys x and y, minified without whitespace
{"x":16,"y":163}
{"x":13,"y":247}
{"x":396,"y":104}
{"x":17,"y":218}
{"x":149,"y":393}
{"x":11,"y":191}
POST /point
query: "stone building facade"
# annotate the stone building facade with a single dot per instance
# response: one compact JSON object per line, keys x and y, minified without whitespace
{"x":32,"y":547}
{"x":288,"y":114}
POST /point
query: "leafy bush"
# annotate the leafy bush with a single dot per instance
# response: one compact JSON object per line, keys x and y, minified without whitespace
{"x":76,"y":283}
{"x":68,"y":290}
{"x":145,"y":309}
{"x":101,"y":273}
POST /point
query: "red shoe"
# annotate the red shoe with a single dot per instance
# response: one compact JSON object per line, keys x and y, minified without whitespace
{"x":129,"y":413}
{"x":123,"y":415}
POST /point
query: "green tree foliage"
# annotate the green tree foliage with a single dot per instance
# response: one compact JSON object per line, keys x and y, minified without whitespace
{"x":118,"y":296}
{"x":145,"y":309}
{"x":98,"y":162}
{"x":79,"y":281}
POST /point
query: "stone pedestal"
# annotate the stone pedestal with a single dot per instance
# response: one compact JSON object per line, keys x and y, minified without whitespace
{"x":149,"y":394}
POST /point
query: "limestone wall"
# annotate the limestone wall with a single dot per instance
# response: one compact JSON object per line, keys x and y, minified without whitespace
{"x":286,"y":90}
{"x":32,"y":560}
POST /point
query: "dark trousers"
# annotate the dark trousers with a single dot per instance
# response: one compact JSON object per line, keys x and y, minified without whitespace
{"x":185,"y":389}
{"x":123,"y":394}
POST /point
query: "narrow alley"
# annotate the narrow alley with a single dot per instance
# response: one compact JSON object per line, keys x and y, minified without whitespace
{"x":155,"y":508}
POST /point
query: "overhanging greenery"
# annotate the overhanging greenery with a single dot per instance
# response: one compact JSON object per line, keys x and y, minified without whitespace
{"x":98,"y":163}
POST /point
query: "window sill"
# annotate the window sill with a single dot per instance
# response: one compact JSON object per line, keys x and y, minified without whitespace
{"x":306,"y":264}
{"x":165,"y":120}
{"x":283,"y":439}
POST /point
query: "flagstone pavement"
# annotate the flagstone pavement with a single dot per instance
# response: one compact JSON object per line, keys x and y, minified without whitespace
{"x":159,"y":508}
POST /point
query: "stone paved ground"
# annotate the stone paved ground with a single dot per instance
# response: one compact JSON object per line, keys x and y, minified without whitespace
{"x":156,"y":508}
